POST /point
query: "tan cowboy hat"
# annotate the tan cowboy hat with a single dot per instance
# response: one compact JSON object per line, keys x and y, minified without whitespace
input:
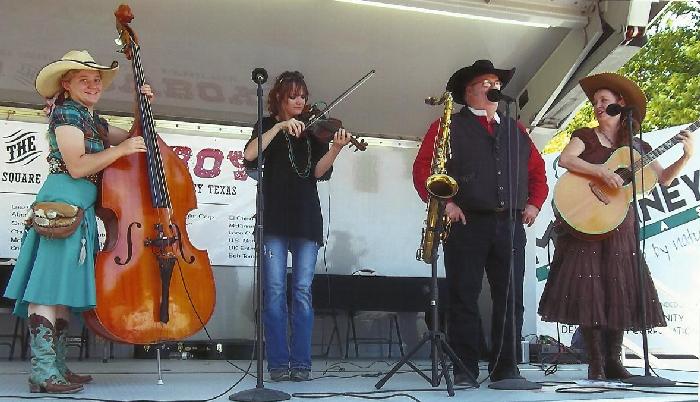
{"x":628,"y":89}
{"x":48,"y":81}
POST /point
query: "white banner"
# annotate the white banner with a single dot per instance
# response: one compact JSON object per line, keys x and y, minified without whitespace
{"x":671,"y":235}
{"x":222,"y":224}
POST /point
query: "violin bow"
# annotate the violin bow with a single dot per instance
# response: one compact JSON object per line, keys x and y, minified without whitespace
{"x":340,"y":98}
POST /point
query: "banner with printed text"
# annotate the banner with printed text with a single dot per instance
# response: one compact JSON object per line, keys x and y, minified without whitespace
{"x":222,"y":223}
{"x":671,"y":240}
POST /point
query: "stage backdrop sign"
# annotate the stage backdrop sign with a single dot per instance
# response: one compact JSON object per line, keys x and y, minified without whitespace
{"x":671,"y":236}
{"x":222,"y":223}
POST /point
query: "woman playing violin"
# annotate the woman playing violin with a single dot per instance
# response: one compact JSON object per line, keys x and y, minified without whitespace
{"x":294,"y":162}
{"x":54,"y":277}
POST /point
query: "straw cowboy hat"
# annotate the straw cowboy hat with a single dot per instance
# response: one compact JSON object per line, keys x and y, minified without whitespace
{"x":461,"y":77}
{"x":48,"y":81}
{"x":628,"y":89}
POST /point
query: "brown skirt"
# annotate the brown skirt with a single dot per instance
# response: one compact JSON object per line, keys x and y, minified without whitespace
{"x":596,"y":283}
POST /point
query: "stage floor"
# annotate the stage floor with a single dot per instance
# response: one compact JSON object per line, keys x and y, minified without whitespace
{"x":198,"y":380}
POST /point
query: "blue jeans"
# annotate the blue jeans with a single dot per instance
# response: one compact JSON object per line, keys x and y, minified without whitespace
{"x":296,"y":353}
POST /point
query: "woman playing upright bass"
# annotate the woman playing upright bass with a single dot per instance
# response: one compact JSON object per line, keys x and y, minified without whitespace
{"x":54,"y":277}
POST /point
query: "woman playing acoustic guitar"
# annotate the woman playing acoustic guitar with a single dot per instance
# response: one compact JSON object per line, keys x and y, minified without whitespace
{"x":594,"y":282}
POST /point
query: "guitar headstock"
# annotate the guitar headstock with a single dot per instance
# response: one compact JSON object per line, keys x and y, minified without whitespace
{"x":127,"y":38}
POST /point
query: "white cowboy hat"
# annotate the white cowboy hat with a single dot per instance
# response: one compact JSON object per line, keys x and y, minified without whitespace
{"x":48,"y":81}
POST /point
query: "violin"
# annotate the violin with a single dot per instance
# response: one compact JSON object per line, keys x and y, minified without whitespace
{"x":323,"y":128}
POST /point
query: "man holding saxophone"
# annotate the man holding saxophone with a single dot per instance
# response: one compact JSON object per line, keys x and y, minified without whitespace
{"x":498,"y":193}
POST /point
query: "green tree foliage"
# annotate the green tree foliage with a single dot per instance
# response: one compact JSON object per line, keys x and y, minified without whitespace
{"x":667,"y":68}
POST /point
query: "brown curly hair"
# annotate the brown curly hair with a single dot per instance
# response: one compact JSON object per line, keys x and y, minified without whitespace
{"x":288,"y":83}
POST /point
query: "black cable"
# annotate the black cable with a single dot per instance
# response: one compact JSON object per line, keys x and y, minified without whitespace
{"x":333,"y":365}
{"x":325,"y":267}
{"x":503,"y":321}
{"x":600,"y":390}
{"x":246,"y":372}
{"x":204,"y":327}
{"x":554,"y":367}
{"x":370,"y":394}
{"x":315,"y":395}
{"x":511,"y":220}
{"x":77,"y":398}
{"x":539,"y":340}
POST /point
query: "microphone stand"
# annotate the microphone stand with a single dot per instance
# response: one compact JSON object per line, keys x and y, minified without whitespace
{"x":259,"y":393}
{"x":511,"y":383}
{"x":646,"y":380}
{"x":440,"y":350}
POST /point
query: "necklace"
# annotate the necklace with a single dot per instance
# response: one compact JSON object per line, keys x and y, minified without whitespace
{"x":599,"y":131}
{"x":292,"y":158}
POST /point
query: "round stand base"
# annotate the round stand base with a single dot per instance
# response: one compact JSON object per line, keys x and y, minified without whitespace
{"x":514,"y":384}
{"x":260,"y":395}
{"x":649,"y":381}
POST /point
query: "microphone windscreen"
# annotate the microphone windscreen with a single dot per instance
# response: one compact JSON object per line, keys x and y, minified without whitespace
{"x":613,"y":109}
{"x":494,"y":95}
{"x":259,"y":75}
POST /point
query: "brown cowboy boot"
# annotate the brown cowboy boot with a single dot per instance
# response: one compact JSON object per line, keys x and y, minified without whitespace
{"x":44,"y":376}
{"x":593,"y":338}
{"x":614,"y":370}
{"x":61,"y":340}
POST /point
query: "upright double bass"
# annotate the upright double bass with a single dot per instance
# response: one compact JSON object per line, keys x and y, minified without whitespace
{"x":152,"y":284}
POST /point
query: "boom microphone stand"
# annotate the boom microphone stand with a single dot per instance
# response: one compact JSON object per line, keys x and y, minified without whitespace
{"x":521,"y":383}
{"x":259,"y":393}
{"x":646,"y":380}
{"x":438,"y":344}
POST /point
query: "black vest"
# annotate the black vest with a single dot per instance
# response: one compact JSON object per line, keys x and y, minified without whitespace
{"x":480,"y":163}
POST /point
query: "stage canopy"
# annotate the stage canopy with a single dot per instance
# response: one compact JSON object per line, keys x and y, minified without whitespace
{"x":199,"y":54}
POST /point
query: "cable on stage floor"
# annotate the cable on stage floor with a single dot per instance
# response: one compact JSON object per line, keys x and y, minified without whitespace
{"x":600,"y":390}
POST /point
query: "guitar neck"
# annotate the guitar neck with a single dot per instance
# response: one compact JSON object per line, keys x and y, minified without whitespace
{"x":658,"y":151}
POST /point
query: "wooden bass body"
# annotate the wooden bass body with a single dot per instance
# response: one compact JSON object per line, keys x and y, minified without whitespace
{"x":129,"y":284}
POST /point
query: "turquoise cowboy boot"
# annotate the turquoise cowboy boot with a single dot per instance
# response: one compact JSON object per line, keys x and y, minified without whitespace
{"x":44,"y":376}
{"x":61,"y":341}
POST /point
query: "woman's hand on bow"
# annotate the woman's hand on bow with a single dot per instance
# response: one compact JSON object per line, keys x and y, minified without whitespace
{"x":292,"y":126}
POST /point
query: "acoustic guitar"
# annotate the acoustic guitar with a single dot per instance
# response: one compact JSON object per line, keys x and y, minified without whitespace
{"x":590,"y":207}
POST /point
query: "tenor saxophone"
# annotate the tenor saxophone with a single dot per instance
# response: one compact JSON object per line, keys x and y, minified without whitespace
{"x":439,"y":184}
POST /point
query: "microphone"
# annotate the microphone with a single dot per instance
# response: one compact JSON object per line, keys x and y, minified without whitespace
{"x":259,"y":75}
{"x":614,"y":109}
{"x":495,"y":95}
